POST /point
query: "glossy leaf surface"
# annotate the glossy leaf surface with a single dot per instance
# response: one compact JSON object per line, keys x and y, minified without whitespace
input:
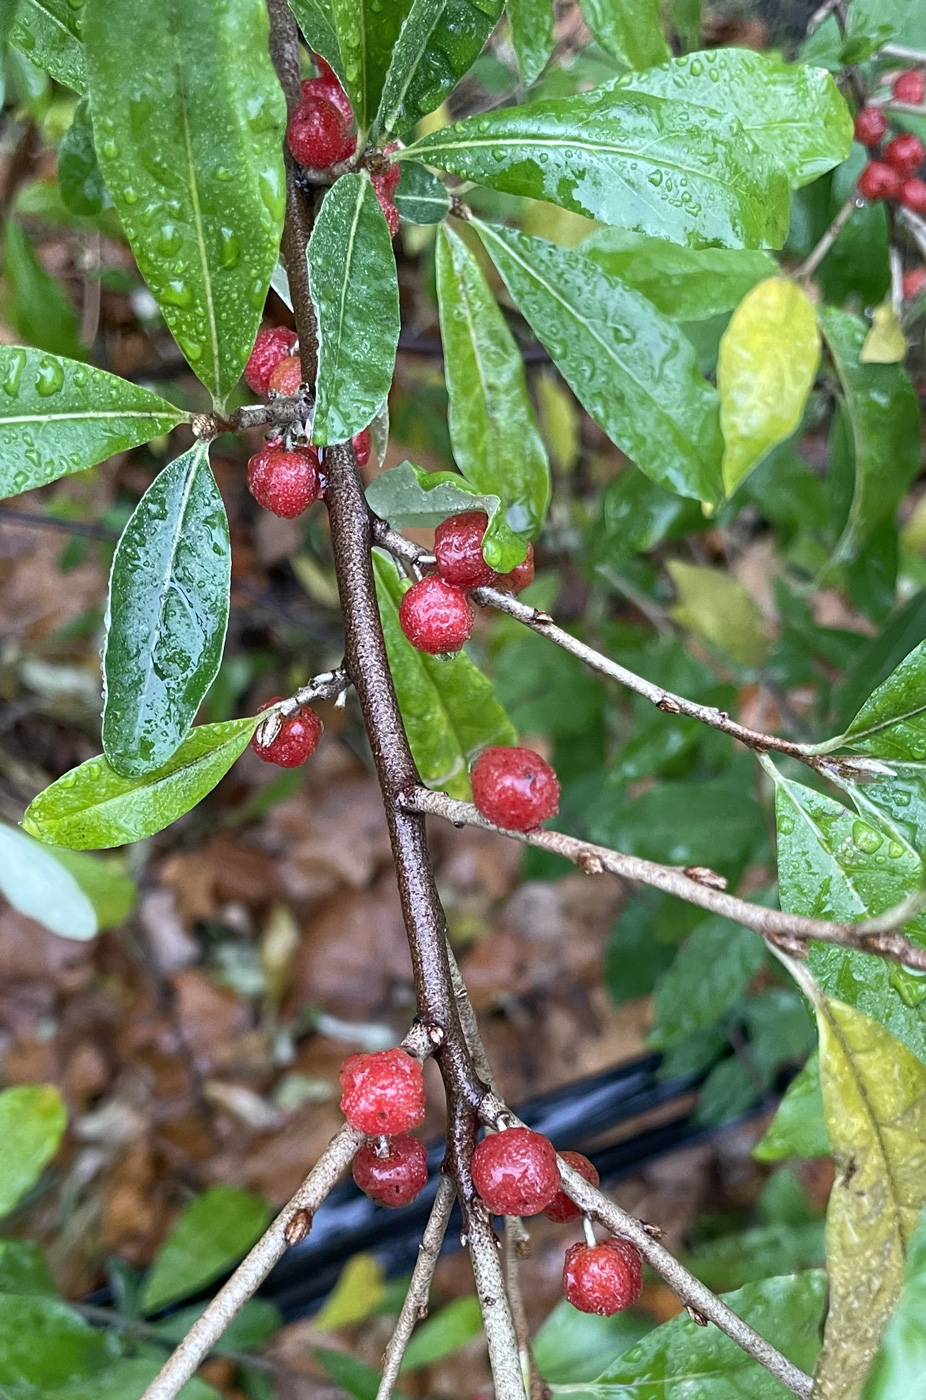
{"x":707,"y":977}
{"x":496,"y":441}
{"x":899,"y":1370}
{"x":629,"y":29}
{"x":48,"y":32}
{"x":356,"y":295}
{"x":191,"y":151}
{"x":80,"y":178}
{"x":93,"y":806}
{"x":32,"y":1123}
{"x":440,"y":40}
{"x":532,"y":35}
{"x":421,"y":197}
{"x":892,"y":722}
{"x":211,"y":1235}
{"x":315,"y":19}
{"x":632,"y":369}
{"x":798,"y":1128}
{"x":33,"y":881}
{"x":168,"y":612}
{"x":448,"y":707}
{"x":367,"y":31}
{"x":58,"y":416}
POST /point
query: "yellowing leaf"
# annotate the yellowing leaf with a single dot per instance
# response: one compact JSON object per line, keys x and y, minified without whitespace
{"x":885,"y":343}
{"x":768,"y":359}
{"x":357,"y":1294}
{"x":719,"y":609}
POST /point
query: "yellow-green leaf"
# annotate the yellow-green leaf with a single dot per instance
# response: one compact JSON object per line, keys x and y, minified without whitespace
{"x":768,"y":360}
{"x":357,"y":1293}
{"x":718,"y":608}
{"x":32,"y":1123}
{"x":885,"y":343}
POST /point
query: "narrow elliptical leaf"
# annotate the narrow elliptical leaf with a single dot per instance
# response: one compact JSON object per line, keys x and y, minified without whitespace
{"x":48,"y":32}
{"x":440,"y":40}
{"x":367,"y":31}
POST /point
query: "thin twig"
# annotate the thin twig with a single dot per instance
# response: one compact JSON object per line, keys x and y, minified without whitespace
{"x":326,"y":686}
{"x":878,"y":935}
{"x":810,"y":264}
{"x":290,"y":1226}
{"x":416,"y":1299}
{"x":515,"y":1237}
{"x":504,"y":1353}
{"x":904,"y":54}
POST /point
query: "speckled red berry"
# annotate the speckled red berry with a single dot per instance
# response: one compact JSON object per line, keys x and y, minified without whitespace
{"x":515,"y":1172}
{"x":910,"y":86}
{"x":386,"y":202}
{"x":435,"y":616}
{"x":458,"y":550}
{"x":286,"y":377}
{"x":517,"y":579}
{"x":295,"y":740}
{"x":914,"y":283}
{"x":913,"y":195}
{"x":603,"y":1278}
{"x":330,"y":89}
{"x":317,"y":133}
{"x":879,"y":181}
{"x":392,"y":1173}
{"x":363,"y":445}
{"x":514,"y":788}
{"x":905,"y":153}
{"x":561,"y":1208}
{"x":383,"y":1092}
{"x":270,"y":347}
{"x":285,"y":483}
{"x":871,"y":126}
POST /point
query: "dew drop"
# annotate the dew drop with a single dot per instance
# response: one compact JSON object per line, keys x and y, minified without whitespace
{"x":110,"y":150}
{"x":177,"y":293}
{"x":50,"y":377}
{"x":170,"y":241}
{"x":866,"y":838}
{"x":14,"y":373}
{"x":785,"y":825}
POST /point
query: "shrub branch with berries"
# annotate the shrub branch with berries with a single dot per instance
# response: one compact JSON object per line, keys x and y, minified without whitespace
{"x":302,"y":167}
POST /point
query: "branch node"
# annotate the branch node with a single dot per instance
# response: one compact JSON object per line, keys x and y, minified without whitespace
{"x":543,"y":619}
{"x":703,"y":875}
{"x":696,"y":1316}
{"x":654,"y":1231}
{"x":590,"y":864}
{"x":298,"y":1227}
{"x":668,"y":706}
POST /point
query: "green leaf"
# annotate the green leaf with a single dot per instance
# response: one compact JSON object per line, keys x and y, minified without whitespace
{"x":40,"y":887}
{"x":885,"y":343}
{"x":448,"y":707}
{"x":409,"y":497}
{"x":899,"y":1370}
{"x":707,"y":978}
{"x":629,"y":29}
{"x":681,"y":1357}
{"x":768,"y":361}
{"x":32,"y":1123}
{"x":23,"y":1269}
{"x":795,"y":115}
{"x":317,"y":24}
{"x":798,"y":1128}
{"x":421,"y":198}
{"x":715,"y":605}
{"x":496,"y":441}
{"x":191,"y":150}
{"x":892,"y":722}
{"x":352,"y":1375}
{"x":884,"y":415}
{"x":80,"y":178}
{"x":571,"y":1346}
{"x":167,"y":615}
{"x":48,"y":33}
{"x":59,"y":417}
{"x":112,"y":893}
{"x":35,"y":302}
{"x":685,"y":284}
{"x":358,"y":1293}
{"x":93,"y":806}
{"x":632,"y":369}
{"x":355,"y":291}
{"x":128,"y":1379}
{"x":440,"y":40}
{"x":211,"y":1235}
{"x":249,"y":1329}
{"x":874,"y":1098}
{"x":444,"y":1333}
{"x":624,"y":158}
{"x":532,"y":35}
{"x":44,"y":1343}
{"x":367,"y":32}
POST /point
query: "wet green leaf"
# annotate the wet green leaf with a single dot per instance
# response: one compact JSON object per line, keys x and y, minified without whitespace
{"x":445,"y":1332}
{"x":892,"y":722}
{"x":796,"y":115}
{"x":190,"y":146}
{"x":93,"y":806}
{"x":629,"y":29}
{"x":571,"y":1346}
{"x":315,"y":20}
{"x":80,"y":179}
{"x":32,"y":1123}
{"x":439,"y":42}
{"x":624,"y":158}
{"x":532,"y":35}
{"x":211,"y":1235}
{"x":355,"y":290}
{"x":496,"y":441}
{"x":685,"y":284}
{"x":633,"y":370}
{"x":716,"y":606}
{"x":448,"y":707}
{"x":167,"y":615}
{"x":367,"y":31}
{"x":44,"y":1343}
{"x":408,"y":496}
{"x":768,"y":361}
{"x":421,"y":198}
{"x":36,"y":303}
{"x":707,"y":978}
{"x":883,"y":412}
{"x":36,"y":884}
{"x":48,"y":33}
{"x":899,"y":1370}
{"x":798,"y":1128}
{"x":110,"y":891}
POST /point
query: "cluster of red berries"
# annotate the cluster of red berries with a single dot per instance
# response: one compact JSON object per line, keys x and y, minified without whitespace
{"x":319,"y":135}
{"x":894,"y":175}
{"x":436,"y":615}
{"x":515,"y":1172}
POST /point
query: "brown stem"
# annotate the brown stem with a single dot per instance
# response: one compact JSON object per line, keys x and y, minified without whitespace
{"x":416,"y":1299}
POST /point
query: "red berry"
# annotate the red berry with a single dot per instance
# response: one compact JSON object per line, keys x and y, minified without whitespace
{"x":270,"y":348}
{"x":514,"y":788}
{"x":879,"y":181}
{"x":561,"y":1208}
{"x":910,"y":86}
{"x":386,"y":203}
{"x":383,"y":1092}
{"x":603,"y":1278}
{"x":330,"y":89}
{"x":317,"y":133}
{"x":395,"y":1176}
{"x":435,"y":616}
{"x":515,"y":1172}
{"x":517,"y":579}
{"x":458,"y":550}
{"x":905,"y":153}
{"x":286,"y":377}
{"x":870,"y":126}
{"x":914,"y":283}
{"x":285,"y":483}
{"x":393,"y":175}
{"x":295,"y":740}
{"x":363,"y":445}
{"x":913,"y":195}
